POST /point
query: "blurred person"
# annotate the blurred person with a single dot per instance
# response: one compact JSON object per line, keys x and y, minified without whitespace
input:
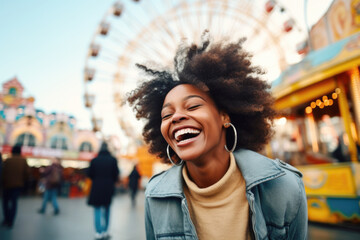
{"x":52,"y":177}
{"x":210,"y":118}
{"x":14,"y":177}
{"x":341,"y":152}
{"x":134,"y":178}
{"x":1,"y":161}
{"x":104,"y":174}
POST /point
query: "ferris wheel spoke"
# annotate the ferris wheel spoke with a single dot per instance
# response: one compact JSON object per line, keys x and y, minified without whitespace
{"x":140,"y":36}
{"x":264,"y":18}
{"x":178,"y":25}
{"x":184,"y":6}
{"x":122,"y":41}
{"x":222,"y":14}
{"x":102,"y":77}
{"x":132,"y":46}
{"x":179,"y":29}
{"x":108,"y":55}
{"x":133,"y":23}
{"x":108,"y":58}
{"x":209,"y":15}
{"x":118,"y":36}
{"x":160,"y":22}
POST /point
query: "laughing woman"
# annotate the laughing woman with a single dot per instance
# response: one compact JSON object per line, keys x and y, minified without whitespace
{"x":210,"y":118}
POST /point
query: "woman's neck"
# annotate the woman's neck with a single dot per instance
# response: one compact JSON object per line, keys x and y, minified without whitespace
{"x":210,"y":171}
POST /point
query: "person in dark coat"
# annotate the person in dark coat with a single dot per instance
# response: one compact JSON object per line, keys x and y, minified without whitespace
{"x":341,"y":152}
{"x":15,"y":173}
{"x":1,"y":161}
{"x":104,"y":173}
{"x":134,"y":184}
{"x":53,"y":176}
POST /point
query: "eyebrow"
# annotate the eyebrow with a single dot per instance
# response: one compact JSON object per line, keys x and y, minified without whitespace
{"x":185,"y":98}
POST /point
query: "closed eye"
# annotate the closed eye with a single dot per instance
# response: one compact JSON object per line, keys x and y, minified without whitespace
{"x":194,"y":107}
{"x":166,"y":116}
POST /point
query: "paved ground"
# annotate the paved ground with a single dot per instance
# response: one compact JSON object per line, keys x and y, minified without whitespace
{"x":328,"y":232}
{"x":76,"y":222}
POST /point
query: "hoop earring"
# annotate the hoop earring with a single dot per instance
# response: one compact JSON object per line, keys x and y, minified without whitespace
{"x":168,"y":155}
{"x":235,"y":137}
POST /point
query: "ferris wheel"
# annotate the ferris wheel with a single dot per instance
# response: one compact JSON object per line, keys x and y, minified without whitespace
{"x":149,"y":32}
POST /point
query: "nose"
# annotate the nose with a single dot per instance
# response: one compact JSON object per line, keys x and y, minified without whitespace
{"x":177,"y":117}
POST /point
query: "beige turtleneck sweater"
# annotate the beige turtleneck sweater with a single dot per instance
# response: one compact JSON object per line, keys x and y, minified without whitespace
{"x":220,"y":211}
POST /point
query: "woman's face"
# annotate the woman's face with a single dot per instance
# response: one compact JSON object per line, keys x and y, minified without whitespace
{"x":191,"y":123}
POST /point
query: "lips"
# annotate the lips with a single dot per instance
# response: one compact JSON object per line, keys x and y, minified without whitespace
{"x":184,"y":134}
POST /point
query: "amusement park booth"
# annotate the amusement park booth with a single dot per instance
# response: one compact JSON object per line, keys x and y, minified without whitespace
{"x":319,"y":99}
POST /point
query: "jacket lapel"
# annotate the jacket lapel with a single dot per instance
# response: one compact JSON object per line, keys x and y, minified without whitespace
{"x":169,"y":183}
{"x":256,"y":168}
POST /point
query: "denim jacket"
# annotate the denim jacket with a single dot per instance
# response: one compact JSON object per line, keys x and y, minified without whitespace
{"x":274,"y":190}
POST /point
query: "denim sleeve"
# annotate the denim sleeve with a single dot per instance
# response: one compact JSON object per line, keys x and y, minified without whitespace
{"x":148,"y":222}
{"x":299,"y":226}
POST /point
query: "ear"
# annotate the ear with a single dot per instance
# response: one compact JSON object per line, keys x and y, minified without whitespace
{"x":224,"y":117}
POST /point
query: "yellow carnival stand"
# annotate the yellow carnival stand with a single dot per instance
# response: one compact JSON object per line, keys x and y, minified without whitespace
{"x":319,"y":98}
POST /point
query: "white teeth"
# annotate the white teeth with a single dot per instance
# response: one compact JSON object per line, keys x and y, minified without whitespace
{"x":185,"y":131}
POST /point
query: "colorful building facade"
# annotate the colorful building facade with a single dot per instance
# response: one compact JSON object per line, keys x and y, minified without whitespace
{"x":44,"y":137}
{"x":41,"y":135}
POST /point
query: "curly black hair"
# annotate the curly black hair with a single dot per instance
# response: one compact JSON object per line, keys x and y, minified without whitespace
{"x":224,"y":70}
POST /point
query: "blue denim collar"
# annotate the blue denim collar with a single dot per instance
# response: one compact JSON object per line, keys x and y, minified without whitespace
{"x":168,"y":183}
{"x":255,"y":169}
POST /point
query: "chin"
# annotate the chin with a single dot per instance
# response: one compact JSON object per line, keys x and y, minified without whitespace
{"x":189,"y":157}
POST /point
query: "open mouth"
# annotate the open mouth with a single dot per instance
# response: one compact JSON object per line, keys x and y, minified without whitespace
{"x":186,"y":134}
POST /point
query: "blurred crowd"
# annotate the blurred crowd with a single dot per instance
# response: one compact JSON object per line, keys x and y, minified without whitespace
{"x":99,"y":182}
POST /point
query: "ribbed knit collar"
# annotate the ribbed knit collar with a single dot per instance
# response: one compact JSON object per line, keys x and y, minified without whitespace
{"x":219,"y":190}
